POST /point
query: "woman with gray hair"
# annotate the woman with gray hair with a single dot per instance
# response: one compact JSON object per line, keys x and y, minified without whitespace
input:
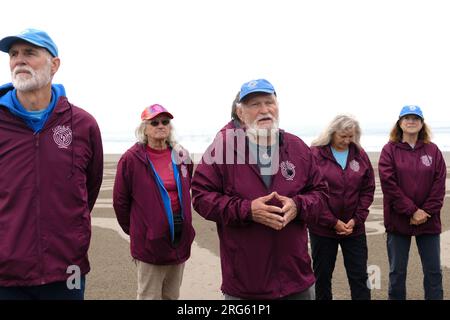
{"x":153,"y":205}
{"x":351,"y":182}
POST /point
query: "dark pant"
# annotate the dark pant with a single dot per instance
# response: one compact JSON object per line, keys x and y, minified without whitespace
{"x":51,"y":291}
{"x":177,"y":228}
{"x":354,"y":250}
{"x":398,"y":254}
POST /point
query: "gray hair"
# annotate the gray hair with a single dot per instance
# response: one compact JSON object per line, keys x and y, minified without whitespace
{"x":340,"y":122}
{"x":143,"y":139}
{"x":234,"y":115}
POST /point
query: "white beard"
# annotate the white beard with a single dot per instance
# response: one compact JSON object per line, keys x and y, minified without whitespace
{"x":264,"y":136}
{"x":263,"y":132}
{"x":39,"y":78}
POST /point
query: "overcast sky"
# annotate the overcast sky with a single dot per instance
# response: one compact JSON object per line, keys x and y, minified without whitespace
{"x":368,"y":58}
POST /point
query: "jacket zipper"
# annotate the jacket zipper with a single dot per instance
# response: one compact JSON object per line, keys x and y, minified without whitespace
{"x":38,"y":210}
{"x":170,"y":205}
{"x":177,"y":249}
{"x":414,"y":230}
{"x":173,"y":223}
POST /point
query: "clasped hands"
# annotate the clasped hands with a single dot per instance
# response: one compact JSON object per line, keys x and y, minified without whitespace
{"x":419,"y":217}
{"x":344,"y":229}
{"x":272,"y":216}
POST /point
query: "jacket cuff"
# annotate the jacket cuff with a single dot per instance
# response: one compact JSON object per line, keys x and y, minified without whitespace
{"x":357,"y":220}
{"x":299,"y":216}
{"x":246,"y":210}
{"x":333,"y":223}
{"x":411,"y":211}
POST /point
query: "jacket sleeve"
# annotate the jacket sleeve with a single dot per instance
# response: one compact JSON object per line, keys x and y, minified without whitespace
{"x":366,"y":193}
{"x":388,"y":179}
{"x":435,"y":200}
{"x":311,"y":200}
{"x":326,"y":218}
{"x":190,"y":168}
{"x":210,"y":200}
{"x":94,"y":172}
{"x":122,"y":196}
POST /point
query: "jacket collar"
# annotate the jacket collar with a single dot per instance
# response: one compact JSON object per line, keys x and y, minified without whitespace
{"x":139,"y":150}
{"x":405,"y":146}
{"x":354,"y":152}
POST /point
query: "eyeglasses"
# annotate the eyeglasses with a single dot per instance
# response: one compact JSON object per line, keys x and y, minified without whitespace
{"x":155,"y":123}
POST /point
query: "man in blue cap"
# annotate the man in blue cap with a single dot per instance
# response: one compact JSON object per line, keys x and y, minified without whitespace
{"x":52,"y":167}
{"x":261,"y":196}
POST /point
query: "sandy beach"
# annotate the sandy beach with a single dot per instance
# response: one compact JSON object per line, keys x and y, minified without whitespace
{"x":113,"y":274}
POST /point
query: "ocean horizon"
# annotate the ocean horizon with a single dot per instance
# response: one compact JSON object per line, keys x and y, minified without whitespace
{"x":196,"y":142}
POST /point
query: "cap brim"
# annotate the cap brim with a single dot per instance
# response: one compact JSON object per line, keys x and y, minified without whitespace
{"x":411,"y":114}
{"x":157,"y":114}
{"x":257,"y":90}
{"x":6,"y":43}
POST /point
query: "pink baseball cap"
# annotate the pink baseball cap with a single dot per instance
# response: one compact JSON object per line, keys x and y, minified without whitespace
{"x":153,"y":111}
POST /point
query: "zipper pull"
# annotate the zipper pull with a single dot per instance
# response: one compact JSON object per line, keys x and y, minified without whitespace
{"x":37,"y":139}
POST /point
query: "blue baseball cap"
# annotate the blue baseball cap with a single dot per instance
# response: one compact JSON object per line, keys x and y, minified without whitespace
{"x":411,"y":110}
{"x":35,"y":37}
{"x":259,"y":85}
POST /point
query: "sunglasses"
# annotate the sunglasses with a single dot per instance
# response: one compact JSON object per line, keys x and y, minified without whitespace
{"x":155,"y":123}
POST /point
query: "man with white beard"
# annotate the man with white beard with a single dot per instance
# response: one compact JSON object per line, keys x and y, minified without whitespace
{"x":51,"y":161}
{"x":261,"y":197}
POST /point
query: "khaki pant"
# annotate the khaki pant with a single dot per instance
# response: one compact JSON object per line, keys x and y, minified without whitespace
{"x":159,"y":282}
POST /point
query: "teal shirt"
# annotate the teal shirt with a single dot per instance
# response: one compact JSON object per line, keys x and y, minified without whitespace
{"x":340,"y":156}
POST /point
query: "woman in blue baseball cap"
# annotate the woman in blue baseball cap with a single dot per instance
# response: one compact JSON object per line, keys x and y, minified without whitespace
{"x":412,"y":175}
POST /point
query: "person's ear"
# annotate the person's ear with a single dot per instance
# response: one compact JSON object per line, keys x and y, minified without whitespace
{"x":55,"y":65}
{"x":240,"y":113}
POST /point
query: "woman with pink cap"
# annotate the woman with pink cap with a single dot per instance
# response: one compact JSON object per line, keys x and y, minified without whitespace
{"x":152,"y":202}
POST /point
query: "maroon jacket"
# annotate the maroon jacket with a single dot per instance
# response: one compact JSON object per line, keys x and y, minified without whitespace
{"x":350,"y":190}
{"x":412,"y":179}
{"x":49,"y":183}
{"x":140,"y":211}
{"x":231,"y":125}
{"x":259,"y":262}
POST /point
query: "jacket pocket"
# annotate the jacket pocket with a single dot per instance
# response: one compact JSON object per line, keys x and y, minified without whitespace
{"x":400,"y":223}
{"x":84,"y":235}
{"x":187,"y":237}
{"x":252,"y":277}
{"x":157,"y":245}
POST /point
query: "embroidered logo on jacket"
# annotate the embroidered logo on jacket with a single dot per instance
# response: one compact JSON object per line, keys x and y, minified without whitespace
{"x":62,"y":136}
{"x":354,"y":165}
{"x":287,"y":170}
{"x":426,"y":160}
